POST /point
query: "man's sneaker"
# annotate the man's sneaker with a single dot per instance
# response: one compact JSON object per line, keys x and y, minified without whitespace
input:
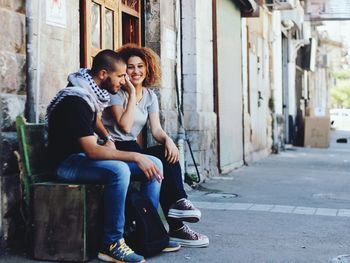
{"x":172,"y":247}
{"x":184,"y":210}
{"x":120,"y":252}
{"x":188,"y":238}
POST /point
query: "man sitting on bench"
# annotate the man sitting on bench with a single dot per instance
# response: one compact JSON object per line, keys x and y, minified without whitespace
{"x":76,"y":156}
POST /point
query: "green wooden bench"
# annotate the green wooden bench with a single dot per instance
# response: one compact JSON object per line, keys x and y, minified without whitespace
{"x":64,"y":220}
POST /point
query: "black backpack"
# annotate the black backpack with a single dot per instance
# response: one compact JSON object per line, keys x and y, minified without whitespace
{"x":144,"y":230}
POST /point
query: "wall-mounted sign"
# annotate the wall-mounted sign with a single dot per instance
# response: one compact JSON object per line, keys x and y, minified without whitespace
{"x":56,"y":13}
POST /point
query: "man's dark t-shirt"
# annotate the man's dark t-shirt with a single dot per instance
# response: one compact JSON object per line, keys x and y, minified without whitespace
{"x":70,"y":120}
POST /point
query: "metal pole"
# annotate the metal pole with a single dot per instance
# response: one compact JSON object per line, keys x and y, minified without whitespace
{"x":30,"y":101}
{"x":38,"y":67}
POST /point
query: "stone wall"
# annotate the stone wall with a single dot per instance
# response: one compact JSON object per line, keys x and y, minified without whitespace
{"x":199,"y":116}
{"x":161,"y":37}
{"x":55,"y":54}
{"x":12,"y":99}
{"x":197,"y":90}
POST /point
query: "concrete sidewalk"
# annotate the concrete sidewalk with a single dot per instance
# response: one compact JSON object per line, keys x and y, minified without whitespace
{"x":290,"y":207}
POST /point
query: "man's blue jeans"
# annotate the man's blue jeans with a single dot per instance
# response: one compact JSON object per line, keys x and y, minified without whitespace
{"x":115,"y":175}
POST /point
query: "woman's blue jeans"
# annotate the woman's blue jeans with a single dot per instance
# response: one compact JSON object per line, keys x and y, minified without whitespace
{"x":115,"y":175}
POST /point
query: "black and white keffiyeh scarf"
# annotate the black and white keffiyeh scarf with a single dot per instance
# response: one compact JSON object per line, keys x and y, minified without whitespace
{"x":102,"y":95}
{"x":84,"y":87}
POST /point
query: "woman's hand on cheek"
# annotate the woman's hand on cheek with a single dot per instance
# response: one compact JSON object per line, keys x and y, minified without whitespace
{"x":129,"y":87}
{"x":171,"y":151}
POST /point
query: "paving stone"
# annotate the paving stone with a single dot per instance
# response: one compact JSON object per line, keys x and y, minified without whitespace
{"x":304,"y":210}
{"x":258,"y":207}
{"x":282,"y":209}
{"x":344,"y":212}
{"x":326,"y":212}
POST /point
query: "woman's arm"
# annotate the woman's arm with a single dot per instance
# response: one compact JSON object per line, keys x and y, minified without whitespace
{"x":171,"y":151}
{"x":125,"y":118}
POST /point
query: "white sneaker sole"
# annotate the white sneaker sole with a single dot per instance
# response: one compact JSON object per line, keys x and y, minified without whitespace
{"x":188,"y":216}
{"x":191,"y":243}
{"x":107,"y":258}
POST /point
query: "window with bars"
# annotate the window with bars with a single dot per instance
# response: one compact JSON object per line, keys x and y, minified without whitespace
{"x":108,"y":24}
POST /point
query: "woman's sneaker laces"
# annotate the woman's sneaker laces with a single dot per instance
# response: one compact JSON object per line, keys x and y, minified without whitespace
{"x":188,"y":238}
{"x":184,"y":210}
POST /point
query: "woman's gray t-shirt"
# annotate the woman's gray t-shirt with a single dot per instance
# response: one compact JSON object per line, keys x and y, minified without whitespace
{"x":147,"y":104}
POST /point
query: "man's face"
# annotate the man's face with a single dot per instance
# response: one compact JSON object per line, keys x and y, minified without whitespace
{"x":115,"y":79}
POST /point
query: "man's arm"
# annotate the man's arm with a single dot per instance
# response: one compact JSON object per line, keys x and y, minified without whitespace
{"x":103,"y":132}
{"x":100,"y":152}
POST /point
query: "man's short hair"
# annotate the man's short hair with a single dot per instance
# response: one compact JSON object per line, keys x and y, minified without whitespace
{"x":106,"y":59}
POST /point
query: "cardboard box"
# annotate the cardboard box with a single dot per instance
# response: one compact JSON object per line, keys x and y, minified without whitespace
{"x":317,"y":131}
{"x":316,"y":112}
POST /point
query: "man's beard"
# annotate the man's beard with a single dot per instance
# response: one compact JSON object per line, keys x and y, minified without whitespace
{"x":107,"y":85}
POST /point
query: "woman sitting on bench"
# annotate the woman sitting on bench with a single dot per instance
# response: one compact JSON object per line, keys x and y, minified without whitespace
{"x":127,"y":115}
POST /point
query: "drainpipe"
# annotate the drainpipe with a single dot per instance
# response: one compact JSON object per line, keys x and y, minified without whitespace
{"x":181,"y":135}
{"x":38,"y":67}
{"x":30,"y":105}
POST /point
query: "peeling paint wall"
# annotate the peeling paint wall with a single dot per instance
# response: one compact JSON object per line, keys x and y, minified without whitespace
{"x":257,"y":115}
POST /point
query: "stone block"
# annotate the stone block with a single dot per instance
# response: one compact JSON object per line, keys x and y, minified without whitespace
{"x":206,"y":162}
{"x":12,"y":72}
{"x":191,"y":101}
{"x":199,"y":121}
{"x":168,"y":74}
{"x":9,"y":144}
{"x":189,"y":66}
{"x":190,"y":83}
{"x":152,"y":17}
{"x":13,"y":225}
{"x":14,"y":5}
{"x":169,"y":121}
{"x":189,"y":161}
{"x":13,"y":27}
{"x":167,"y":100}
{"x":12,"y":106}
{"x":155,"y":46}
{"x":201,"y":140}
{"x":208,"y":103}
{"x":50,"y":86}
{"x":167,"y":11}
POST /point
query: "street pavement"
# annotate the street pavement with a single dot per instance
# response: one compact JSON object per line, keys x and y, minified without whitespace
{"x":289,"y":207}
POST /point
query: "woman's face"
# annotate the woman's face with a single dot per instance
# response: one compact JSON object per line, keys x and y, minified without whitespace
{"x":136,"y":69}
